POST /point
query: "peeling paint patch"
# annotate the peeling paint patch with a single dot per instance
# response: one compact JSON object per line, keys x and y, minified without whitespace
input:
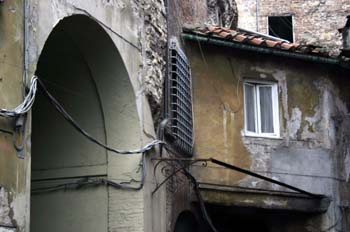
{"x":7,"y":229}
{"x":19,"y":206}
{"x":347,"y":164}
{"x":118,"y":3}
{"x":224,"y":124}
{"x":4,"y":208}
{"x":295,"y":123}
{"x":275,"y":203}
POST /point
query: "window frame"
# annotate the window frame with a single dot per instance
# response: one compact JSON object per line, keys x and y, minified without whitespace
{"x":274,"y":16}
{"x":257,"y":113}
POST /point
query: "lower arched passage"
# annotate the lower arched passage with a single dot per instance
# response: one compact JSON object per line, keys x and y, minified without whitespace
{"x":186,"y":222}
{"x":83,"y":69}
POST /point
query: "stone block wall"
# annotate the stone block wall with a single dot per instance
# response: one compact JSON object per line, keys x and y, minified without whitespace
{"x":153,"y":41}
{"x":314,"y":21}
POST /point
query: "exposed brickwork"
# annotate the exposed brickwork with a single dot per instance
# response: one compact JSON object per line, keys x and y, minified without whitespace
{"x":314,"y":21}
{"x":183,"y":12}
{"x":153,"y":42}
{"x":223,"y":13}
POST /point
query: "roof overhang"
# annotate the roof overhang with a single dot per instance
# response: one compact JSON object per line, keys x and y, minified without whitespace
{"x":262,"y":199}
{"x":192,"y":36}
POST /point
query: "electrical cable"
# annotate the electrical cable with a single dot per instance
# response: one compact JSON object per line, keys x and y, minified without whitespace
{"x":183,"y":168}
{"x":89,"y":181}
{"x":197,"y":191}
{"x":106,"y":26}
{"x":27,"y":103}
{"x":201,"y":201}
{"x":73,"y":123}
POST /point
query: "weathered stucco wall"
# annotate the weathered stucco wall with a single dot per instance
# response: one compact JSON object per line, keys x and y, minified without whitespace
{"x":314,"y":21}
{"x":305,"y":155}
{"x":138,"y":30}
{"x":14,"y":171}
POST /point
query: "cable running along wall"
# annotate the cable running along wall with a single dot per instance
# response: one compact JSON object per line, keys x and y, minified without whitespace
{"x":28,"y":102}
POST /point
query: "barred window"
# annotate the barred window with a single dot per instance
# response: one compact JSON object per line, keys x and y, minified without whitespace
{"x":179,"y":99}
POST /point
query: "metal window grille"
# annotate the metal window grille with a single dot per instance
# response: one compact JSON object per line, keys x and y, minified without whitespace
{"x":179,"y":99}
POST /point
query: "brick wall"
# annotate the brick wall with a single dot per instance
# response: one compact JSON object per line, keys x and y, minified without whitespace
{"x":153,"y":42}
{"x":184,"y":12}
{"x":314,"y":21}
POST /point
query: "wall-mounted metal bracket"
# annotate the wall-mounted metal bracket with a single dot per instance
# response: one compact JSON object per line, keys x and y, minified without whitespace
{"x":19,"y":135}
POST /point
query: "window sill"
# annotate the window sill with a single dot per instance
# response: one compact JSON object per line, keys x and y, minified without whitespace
{"x":263,"y":136}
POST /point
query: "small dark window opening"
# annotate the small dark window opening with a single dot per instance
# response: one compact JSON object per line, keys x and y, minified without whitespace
{"x":178,"y":100}
{"x":281,"y":27}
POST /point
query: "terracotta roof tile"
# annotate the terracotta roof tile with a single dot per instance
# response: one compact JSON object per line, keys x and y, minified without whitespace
{"x":257,"y":39}
{"x":240,"y":38}
{"x":271,"y":43}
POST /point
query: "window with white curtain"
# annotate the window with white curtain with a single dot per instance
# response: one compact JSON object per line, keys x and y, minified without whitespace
{"x":261,"y":109}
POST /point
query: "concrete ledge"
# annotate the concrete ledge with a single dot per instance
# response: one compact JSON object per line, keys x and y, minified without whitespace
{"x":7,"y":229}
{"x":263,"y":199}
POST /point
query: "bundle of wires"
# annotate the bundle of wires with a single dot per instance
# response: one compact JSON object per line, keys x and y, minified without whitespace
{"x":73,"y":123}
{"x":27,"y":103}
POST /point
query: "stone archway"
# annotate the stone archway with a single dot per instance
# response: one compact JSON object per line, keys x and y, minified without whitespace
{"x":83,"y":69}
{"x":186,"y":222}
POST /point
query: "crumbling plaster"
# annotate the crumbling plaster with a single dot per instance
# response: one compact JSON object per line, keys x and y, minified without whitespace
{"x":307,"y":153}
{"x":14,"y":171}
{"x":134,"y":27}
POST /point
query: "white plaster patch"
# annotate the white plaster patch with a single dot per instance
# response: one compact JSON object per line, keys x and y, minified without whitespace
{"x":281,"y":77}
{"x":262,"y":75}
{"x":224,"y":124}
{"x":275,"y":203}
{"x":248,"y":201}
{"x":347,"y":164}
{"x":19,"y":206}
{"x":312,"y":122}
{"x":232,"y":120}
{"x":117,"y":3}
{"x":4,"y":208}
{"x":294,"y":123}
{"x":6,"y":229}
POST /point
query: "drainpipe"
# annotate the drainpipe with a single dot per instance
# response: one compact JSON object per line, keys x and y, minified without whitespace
{"x":257,"y":14}
{"x":263,"y":50}
{"x":25,"y":44}
{"x":345,"y":31}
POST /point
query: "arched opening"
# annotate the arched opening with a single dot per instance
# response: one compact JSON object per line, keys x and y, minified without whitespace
{"x":186,"y":222}
{"x":82,"y":68}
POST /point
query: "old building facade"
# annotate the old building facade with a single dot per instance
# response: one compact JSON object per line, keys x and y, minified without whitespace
{"x":310,"y":90}
{"x":106,"y":62}
{"x":103,"y":61}
{"x":304,"y":146}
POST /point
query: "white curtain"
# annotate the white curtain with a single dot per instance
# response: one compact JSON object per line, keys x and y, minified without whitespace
{"x":250,"y":107}
{"x":266,"y":112}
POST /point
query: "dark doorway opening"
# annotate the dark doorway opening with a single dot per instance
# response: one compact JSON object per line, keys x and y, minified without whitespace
{"x":244,"y":219}
{"x":83,"y":70}
{"x":186,"y":222}
{"x":281,"y":27}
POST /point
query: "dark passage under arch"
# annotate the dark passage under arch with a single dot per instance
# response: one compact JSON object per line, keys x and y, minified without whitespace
{"x":186,"y":222}
{"x":83,"y":69}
